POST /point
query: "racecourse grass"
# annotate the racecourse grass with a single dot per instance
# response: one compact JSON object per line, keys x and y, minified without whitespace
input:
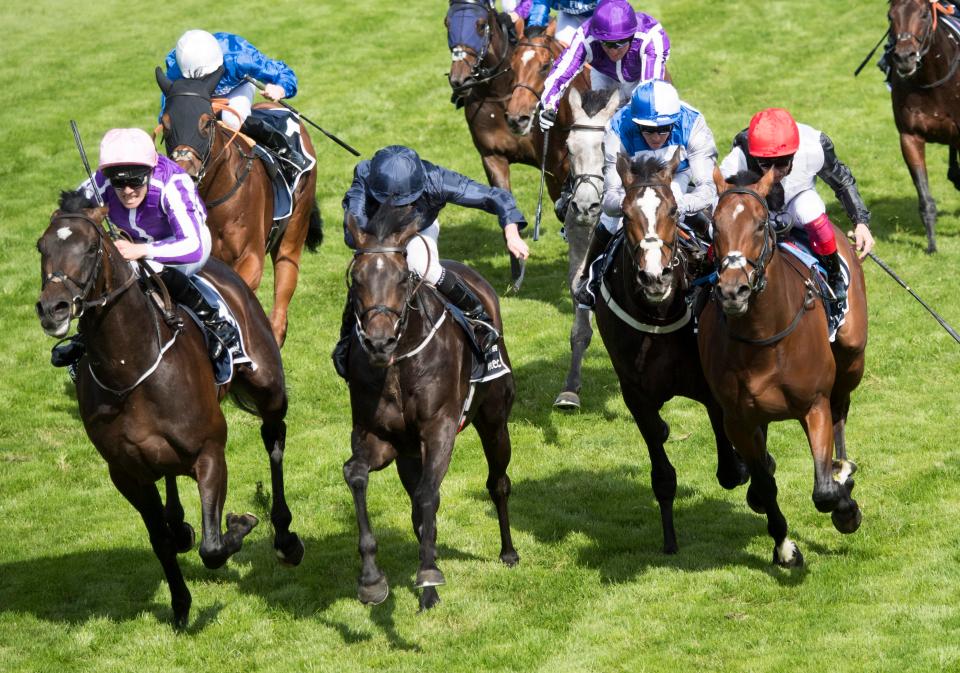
{"x":80,"y":589}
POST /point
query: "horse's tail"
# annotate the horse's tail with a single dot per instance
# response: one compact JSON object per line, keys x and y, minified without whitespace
{"x":315,"y":228}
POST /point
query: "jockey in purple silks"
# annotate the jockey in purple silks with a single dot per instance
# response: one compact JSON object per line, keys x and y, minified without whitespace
{"x":517,"y":9}
{"x":156,"y":202}
{"x":624,"y":47}
{"x":570,"y":15}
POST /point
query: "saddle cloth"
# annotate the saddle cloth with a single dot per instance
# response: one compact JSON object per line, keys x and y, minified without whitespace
{"x":223,"y":366}
{"x":283,"y":190}
{"x":798,"y":245}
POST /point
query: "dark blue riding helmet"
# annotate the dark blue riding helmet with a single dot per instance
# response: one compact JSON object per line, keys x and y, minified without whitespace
{"x":396,"y":175}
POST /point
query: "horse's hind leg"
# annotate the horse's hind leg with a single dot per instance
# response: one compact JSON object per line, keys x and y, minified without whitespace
{"x":286,"y":543}
{"x":216,"y":548}
{"x":829,"y":495}
{"x":410,"y":469}
{"x":182,"y":532}
{"x":286,"y":270}
{"x":913,"y":150}
{"x":146,"y":499}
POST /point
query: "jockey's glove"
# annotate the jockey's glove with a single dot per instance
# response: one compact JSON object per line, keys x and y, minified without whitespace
{"x":548,"y":118}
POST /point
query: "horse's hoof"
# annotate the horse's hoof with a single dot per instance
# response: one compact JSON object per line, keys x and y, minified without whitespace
{"x":374,"y":594}
{"x":293,"y":552}
{"x":241,"y":524}
{"x":428,"y":599}
{"x":181,"y":612}
{"x":186,"y":539}
{"x":510,"y":558}
{"x":567,"y":401}
{"x":931,"y":249}
{"x":429,"y":577}
{"x":846,"y":521}
{"x":787,"y":554}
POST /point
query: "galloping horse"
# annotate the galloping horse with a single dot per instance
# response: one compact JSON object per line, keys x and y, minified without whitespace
{"x":591,"y":112}
{"x":238,"y":193}
{"x":925,"y":86}
{"x":483,"y":80}
{"x":147,"y":394}
{"x":767,"y":357}
{"x":410,"y":392}
{"x":647,"y":326}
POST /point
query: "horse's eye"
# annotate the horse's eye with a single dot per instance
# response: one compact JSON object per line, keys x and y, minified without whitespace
{"x":545,"y":68}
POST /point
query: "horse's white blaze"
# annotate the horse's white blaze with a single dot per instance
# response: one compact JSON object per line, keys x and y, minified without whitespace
{"x":379,"y":264}
{"x":735,"y":260}
{"x":63,"y":233}
{"x":458,"y":54}
{"x":527,"y":55}
{"x":652,"y":262}
{"x":786,"y":551}
{"x":736,"y":211}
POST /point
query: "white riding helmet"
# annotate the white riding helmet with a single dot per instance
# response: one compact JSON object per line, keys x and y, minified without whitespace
{"x":198,"y":54}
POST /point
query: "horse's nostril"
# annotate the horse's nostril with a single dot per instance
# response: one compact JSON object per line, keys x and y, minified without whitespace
{"x":743,"y":291}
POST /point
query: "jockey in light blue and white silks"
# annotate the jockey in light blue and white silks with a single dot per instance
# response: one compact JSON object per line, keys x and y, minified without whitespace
{"x":656,"y":105}
{"x":570,"y":16}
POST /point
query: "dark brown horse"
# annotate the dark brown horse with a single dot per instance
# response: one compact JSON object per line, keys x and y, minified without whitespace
{"x":765,"y":352}
{"x":238,"y":194}
{"x":482,"y":79}
{"x":409,"y":381}
{"x":925,"y":89}
{"x":147,"y":394}
{"x":647,"y":326}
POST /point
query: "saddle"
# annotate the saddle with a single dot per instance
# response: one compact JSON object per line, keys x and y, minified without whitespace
{"x":798,"y":245}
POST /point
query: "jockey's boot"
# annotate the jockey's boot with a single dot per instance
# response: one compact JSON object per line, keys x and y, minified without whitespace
{"x":341,"y":352}
{"x":831,"y":263}
{"x":292,"y":163}
{"x":464,"y":298}
{"x":221,"y":334}
{"x":586,"y":295}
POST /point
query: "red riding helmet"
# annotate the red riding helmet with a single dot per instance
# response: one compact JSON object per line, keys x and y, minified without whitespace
{"x":773,"y":133}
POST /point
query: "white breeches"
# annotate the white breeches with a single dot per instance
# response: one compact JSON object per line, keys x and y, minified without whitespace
{"x":567,"y":25}
{"x":422,"y":255}
{"x":599,"y":81}
{"x":803,"y":209}
{"x":241,"y":100}
{"x":186,"y":269}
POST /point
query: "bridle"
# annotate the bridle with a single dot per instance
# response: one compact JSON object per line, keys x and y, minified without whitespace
{"x":925,"y":43}
{"x":459,"y":52}
{"x":549,"y":47}
{"x":595,"y":180}
{"x":756,"y":277}
{"x":652,"y":241}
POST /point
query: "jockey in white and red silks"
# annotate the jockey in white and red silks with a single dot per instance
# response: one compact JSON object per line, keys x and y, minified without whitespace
{"x":799,"y":154}
{"x":624,"y":47}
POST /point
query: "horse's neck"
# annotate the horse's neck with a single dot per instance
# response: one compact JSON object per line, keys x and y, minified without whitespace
{"x":940,"y":59}
{"x":773,"y":309}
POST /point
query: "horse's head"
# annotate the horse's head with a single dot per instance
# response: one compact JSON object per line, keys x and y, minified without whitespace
{"x":477,"y":44}
{"x":912,"y":24}
{"x":381,"y":284}
{"x":591,"y":112}
{"x":189,"y":121}
{"x":743,"y":239}
{"x":532,"y":60}
{"x":650,"y":223}
{"x":72,"y":251}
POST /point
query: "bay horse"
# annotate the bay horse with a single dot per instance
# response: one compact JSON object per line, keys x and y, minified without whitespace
{"x":766,"y":354}
{"x":482,"y":79}
{"x":238,"y":194}
{"x":649,"y":328}
{"x":924,"y":89}
{"x":147,"y":394}
{"x":591,"y":112}
{"x":409,"y":376}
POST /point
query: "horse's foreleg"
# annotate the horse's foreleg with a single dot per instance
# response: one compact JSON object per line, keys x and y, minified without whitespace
{"x":286,"y":543}
{"x":497,"y":168}
{"x":146,"y":499}
{"x":217,"y":547}
{"x":912,"y":147}
{"x":286,"y":271}
{"x":410,"y":469}
{"x":437,"y":451}
{"x":182,"y":532}
{"x":830,"y":494}
{"x":491,"y":425}
{"x":731,"y":470}
{"x":581,"y":332}
{"x":372,"y":587}
{"x":249,"y":266}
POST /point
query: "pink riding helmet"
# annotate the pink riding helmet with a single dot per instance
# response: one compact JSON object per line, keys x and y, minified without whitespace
{"x":127,"y":147}
{"x":614,"y":20}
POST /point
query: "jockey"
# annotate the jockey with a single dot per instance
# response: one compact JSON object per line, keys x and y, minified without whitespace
{"x":199,"y":53}
{"x":154,"y":201}
{"x":517,"y":9}
{"x":799,"y":154}
{"x":656,"y":123}
{"x":624,"y":47}
{"x":396,"y":175}
{"x":570,"y":16}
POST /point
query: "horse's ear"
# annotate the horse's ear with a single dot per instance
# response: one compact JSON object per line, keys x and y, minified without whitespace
{"x":766,"y":183}
{"x":97,"y":214}
{"x":613,"y":103}
{"x":519,"y":26}
{"x":410,"y":225}
{"x":719,"y":180}
{"x":551,"y":29}
{"x":212,"y":80}
{"x":163,"y":81}
{"x":624,"y":170}
{"x":671,"y":168}
{"x":356,"y":233}
{"x":576,"y":102}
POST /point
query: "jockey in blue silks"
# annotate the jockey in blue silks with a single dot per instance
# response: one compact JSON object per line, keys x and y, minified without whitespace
{"x":657,"y":124}
{"x":199,"y":53}
{"x":396,"y":175}
{"x":570,"y":14}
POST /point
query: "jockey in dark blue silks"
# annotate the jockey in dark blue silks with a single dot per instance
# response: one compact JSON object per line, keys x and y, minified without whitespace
{"x":570,"y":15}
{"x":199,"y":53}
{"x":396,"y":175}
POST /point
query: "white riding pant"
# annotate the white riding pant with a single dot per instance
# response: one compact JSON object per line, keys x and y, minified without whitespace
{"x":186,"y":269}
{"x":422,"y":255}
{"x":567,"y":25}
{"x":599,"y":82}
{"x":802,"y":209}
{"x":241,"y":100}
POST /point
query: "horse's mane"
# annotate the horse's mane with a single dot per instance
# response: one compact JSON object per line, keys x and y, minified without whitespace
{"x":646,"y":167}
{"x":390,"y":219}
{"x":744,"y":178}
{"x":593,"y":101}
{"x":76,"y":201}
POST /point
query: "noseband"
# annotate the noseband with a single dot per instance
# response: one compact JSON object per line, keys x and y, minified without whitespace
{"x":650,"y":242}
{"x":459,"y":52}
{"x":756,"y":279}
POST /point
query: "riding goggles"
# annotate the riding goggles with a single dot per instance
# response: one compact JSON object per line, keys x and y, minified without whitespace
{"x":657,"y":130}
{"x":766,"y":163}
{"x":615,"y":44}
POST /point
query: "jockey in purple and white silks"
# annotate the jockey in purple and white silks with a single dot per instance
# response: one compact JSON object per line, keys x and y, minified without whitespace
{"x":517,"y":9}
{"x":156,"y":202}
{"x":570,"y":16}
{"x":624,"y":47}
{"x":657,"y":124}
{"x":199,"y":54}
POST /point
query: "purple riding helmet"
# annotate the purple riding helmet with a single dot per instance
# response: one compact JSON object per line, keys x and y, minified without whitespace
{"x":614,"y":20}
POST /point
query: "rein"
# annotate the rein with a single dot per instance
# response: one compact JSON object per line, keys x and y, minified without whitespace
{"x":478,"y":73}
{"x":549,"y":48}
{"x":927,"y":42}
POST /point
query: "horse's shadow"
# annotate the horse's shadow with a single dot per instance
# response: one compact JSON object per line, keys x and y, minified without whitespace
{"x":624,"y":533}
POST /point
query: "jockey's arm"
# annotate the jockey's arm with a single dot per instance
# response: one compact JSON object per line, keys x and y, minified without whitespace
{"x":702,"y":157}
{"x":180,"y":203}
{"x":733,"y":163}
{"x":355,"y":202}
{"x":570,"y":63}
{"x":838,"y":176}
{"x":251,"y":61}
{"x":613,"y":192}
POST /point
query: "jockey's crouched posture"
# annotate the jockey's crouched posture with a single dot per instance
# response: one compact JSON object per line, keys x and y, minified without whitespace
{"x":799,"y":154}
{"x":656,"y":123}
{"x":397,"y":176}
{"x":199,"y":53}
{"x":156,"y":202}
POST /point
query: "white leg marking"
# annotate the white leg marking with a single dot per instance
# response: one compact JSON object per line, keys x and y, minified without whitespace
{"x":843,"y":473}
{"x":786,"y":551}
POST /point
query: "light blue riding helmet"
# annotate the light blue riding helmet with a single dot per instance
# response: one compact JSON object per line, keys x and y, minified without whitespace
{"x":655,"y":103}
